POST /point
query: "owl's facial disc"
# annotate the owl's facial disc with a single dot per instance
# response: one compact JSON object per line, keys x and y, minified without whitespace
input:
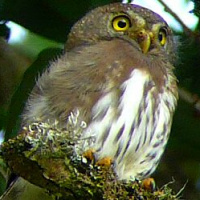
{"x":122,"y":23}
{"x":156,"y":37}
{"x":140,"y":27}
{"x":135,"y":28}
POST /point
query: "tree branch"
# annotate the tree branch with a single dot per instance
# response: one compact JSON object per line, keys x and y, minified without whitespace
{"x":190,"y":98}
{"x":50,"y":158}
{"x":186,"y":30}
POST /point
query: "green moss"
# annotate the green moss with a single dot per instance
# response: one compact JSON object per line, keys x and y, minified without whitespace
{"x":55,"y":157}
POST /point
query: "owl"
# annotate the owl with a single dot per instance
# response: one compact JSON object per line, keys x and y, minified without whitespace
{"x":117,"y":76}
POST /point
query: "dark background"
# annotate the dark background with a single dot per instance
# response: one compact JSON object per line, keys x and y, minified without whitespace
{"x":51,"y":20}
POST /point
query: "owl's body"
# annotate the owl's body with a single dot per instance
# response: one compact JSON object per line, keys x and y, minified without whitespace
{"x":118,"y":82}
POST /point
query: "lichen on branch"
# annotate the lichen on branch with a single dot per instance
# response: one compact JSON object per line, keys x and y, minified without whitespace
{"x":51,"y":158}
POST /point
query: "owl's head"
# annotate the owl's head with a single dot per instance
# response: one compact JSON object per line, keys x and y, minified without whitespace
{"x":139,"y":26}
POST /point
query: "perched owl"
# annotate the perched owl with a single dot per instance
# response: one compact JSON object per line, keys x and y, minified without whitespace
{"x":117,"y":76}
{"x":117,"y":73}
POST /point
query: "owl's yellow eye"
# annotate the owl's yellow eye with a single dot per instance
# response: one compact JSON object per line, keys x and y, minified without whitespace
{"x":121,"y":23}
{"x":162,"y":36}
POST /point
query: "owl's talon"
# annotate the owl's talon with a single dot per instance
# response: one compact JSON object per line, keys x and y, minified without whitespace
{"x":149,"y":184}
{"x":106,"y":162}
{"x":89,"y":154}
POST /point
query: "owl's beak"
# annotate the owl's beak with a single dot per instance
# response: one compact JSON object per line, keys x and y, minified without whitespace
{"x":144,"y":40}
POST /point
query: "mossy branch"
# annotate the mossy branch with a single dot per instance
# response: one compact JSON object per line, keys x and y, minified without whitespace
{"x":50,"y":158}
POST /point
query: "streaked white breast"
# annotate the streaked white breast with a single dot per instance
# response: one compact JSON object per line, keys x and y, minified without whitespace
{"x":134,"y":141}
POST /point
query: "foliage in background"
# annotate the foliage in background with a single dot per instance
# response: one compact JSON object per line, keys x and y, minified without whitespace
{"x":49,"y":18}
{"x":196,"y":8}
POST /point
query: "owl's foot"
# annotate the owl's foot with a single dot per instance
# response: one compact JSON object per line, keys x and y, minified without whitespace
{"x":89,"y":154}
{"x":149,"y":184}
{"x":104,"y":162}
